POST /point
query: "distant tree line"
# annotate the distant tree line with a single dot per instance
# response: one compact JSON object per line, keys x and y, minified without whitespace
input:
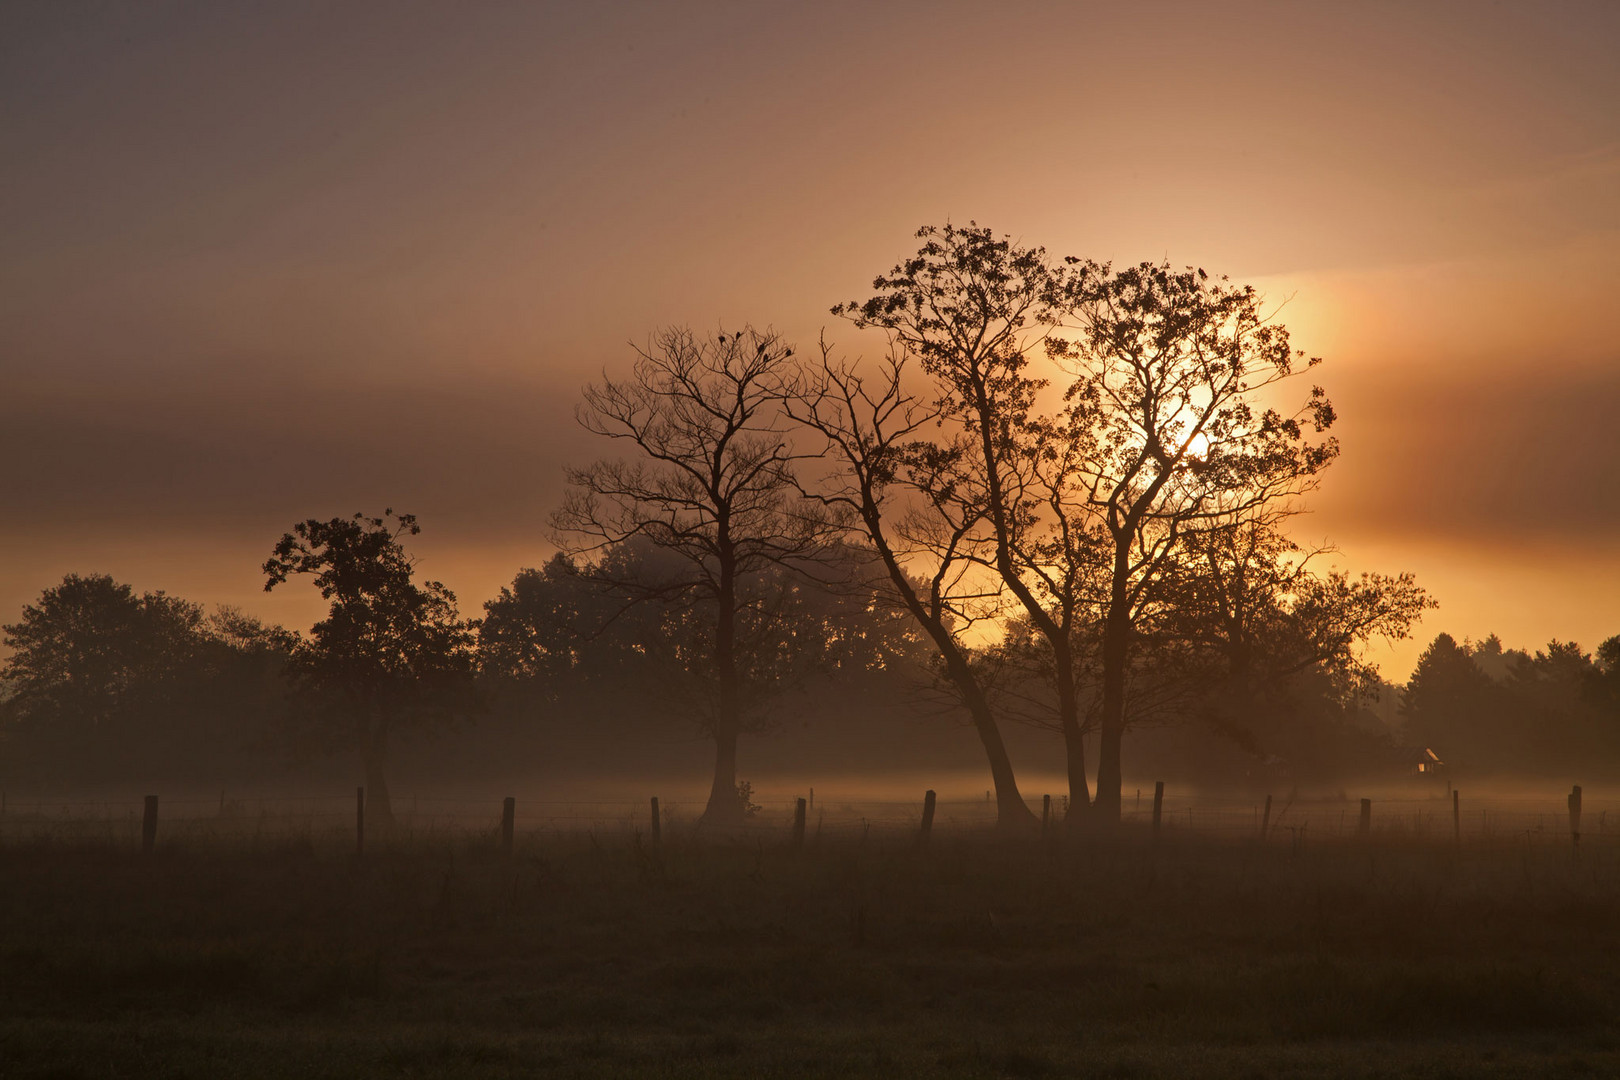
{"x":1505,"y":711}
{"x":1057,"y":498}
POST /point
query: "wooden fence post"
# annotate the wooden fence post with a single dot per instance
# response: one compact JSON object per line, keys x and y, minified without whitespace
{"x":508,"y":824}
{"x":149,"y":825}
{"x":798,"y":823}
{"x":928,"y":816}
{"x":1046,"y":815}
{"x":359,"y":822}
{"x":1364,"y":829}
{"x":1158,"y":806}
{"x":1456,"y":818}
{"x":1575,"y":817}
{"x":812,"y":801}
{"x":1265,"y":820}
{"x":657,"y":832}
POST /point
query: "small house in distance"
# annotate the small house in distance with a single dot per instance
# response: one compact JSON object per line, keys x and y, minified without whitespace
{"x":1419,"y":761}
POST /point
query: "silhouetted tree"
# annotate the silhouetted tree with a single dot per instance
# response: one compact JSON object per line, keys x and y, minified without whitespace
{"x":1604,"y":684}
{"x":537,"y":628}
{"x":107,"y":684}
{"x":1257,"y":617}
{"x":390,"y":651}
{"x":882,"y":467}
{"x":569,"y":658}
{"x":710,"y":484}
{"x":88,"y":641}
{"x":90,"y":660}
{"x":1449,"y":702}
{"x":974,"y":309}
{"x":1168,"y":366}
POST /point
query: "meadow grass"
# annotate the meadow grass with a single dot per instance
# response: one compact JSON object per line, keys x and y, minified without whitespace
{"x":590,"y":954}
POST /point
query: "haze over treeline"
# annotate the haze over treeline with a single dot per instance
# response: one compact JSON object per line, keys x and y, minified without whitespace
{"x":1059,"y":498}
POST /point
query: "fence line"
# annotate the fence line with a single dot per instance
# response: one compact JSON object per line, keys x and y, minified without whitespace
{"x":1553,"y":818}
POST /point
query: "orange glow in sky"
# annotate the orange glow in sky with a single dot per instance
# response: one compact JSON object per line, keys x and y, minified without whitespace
{"x":264,"y":263}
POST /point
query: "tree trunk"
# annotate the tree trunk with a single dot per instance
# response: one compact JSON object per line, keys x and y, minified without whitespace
{"x":374,"y":755}
{"x":1110,"y":776}
{"x":1011,"y":810}
{"x":1074,"y":746}
{"x":725,"y":808}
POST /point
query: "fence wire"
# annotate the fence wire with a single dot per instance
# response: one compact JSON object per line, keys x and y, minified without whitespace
{"x":1531,"y":818}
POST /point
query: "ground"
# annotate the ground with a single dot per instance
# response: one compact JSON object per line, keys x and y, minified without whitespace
{"x":595,"y":955}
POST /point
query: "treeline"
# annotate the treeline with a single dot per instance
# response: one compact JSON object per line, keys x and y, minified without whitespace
{"x":1507,"y":711}
{"x":106,"y":686}
{"x":1058,"y":498}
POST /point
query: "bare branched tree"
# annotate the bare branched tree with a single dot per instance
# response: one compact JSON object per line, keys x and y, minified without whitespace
{"x":976,"y":309}
{"x":709,"y":480}
{"x":888,"y":480}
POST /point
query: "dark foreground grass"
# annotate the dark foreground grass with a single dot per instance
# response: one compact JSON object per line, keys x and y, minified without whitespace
{"x":588,"y":956}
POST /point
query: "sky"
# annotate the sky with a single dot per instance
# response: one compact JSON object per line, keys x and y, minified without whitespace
{"x":270,"y":262}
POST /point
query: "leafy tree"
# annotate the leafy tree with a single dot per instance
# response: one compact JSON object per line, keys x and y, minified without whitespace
{"x":91,"y":662}
{"x":91,"y":641}
{"x":568,"y":657}
{"x":710,"y":485}
{"x":1604,"y":684}
{"x":107,"y":684}
{"x":1169,"y":367}
{"x":1259,"y":616}
{"x":535,"y":630}
{"x":391,"y":650}
{"x":1449,"y":702}
{"x":1552,"y":719}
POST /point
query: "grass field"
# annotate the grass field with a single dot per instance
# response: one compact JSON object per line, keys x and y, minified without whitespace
{"x":589,"y":954}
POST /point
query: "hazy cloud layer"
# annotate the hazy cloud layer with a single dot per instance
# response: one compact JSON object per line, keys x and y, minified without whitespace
{"x":266,"y":262}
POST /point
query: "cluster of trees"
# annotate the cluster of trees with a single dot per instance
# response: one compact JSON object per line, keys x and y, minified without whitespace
{"x":1089,"y":457}
{"x":103,"y":684}
{"x":1057,"y":497}
{"x":1507,"y":711}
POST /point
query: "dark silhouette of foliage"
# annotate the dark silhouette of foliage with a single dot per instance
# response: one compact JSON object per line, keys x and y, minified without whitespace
{"x":391,"y":651}
{"x":1495,"y":711}
{"x":105,"y":684}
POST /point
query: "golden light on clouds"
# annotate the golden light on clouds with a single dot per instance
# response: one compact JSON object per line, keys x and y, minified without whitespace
{"x":264,"y":264}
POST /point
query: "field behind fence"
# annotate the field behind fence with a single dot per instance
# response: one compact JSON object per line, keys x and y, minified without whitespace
{"x":338,"y":819}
